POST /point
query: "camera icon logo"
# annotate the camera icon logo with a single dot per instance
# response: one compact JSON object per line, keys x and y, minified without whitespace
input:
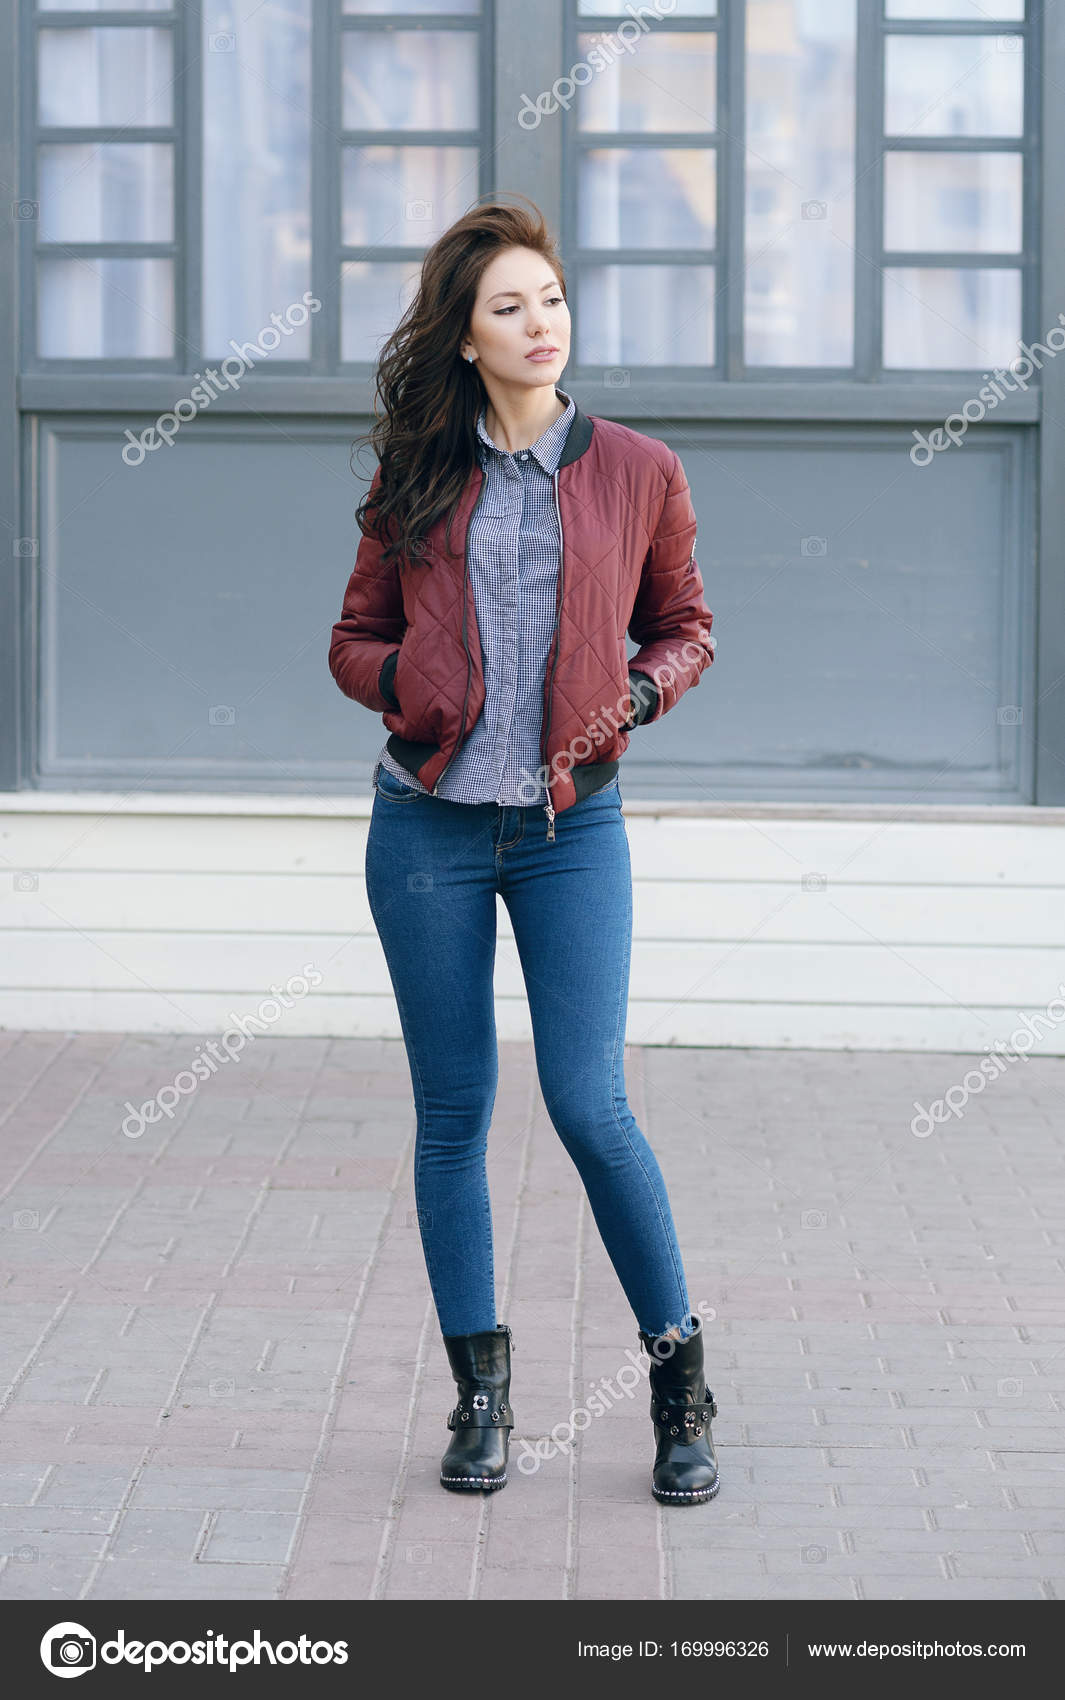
{"x":68,"y":1649}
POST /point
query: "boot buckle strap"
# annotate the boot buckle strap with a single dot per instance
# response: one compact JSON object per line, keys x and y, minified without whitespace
{"x":682,"y":1418}
{"x":480,"y":1412}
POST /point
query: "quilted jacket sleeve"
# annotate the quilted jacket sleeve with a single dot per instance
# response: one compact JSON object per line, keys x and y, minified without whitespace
{"x":370,"y":627}
{"x":670,"y":620}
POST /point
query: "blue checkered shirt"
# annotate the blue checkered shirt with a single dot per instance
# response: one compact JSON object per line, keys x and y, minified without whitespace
{"x":514,"y":560}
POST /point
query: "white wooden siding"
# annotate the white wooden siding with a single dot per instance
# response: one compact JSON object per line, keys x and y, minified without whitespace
{"x":832,"y":927}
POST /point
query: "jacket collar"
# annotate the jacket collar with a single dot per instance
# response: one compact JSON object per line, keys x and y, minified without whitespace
{"x":579,"y":438}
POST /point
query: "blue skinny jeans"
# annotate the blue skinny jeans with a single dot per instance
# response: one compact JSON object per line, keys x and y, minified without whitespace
{"x":433,"y":868}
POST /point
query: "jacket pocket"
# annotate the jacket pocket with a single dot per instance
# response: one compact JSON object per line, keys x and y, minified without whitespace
{"x":405,"y":684}
{"x":398,"y":685}
{"x":386,"y":681}
{"x":622,"y":689}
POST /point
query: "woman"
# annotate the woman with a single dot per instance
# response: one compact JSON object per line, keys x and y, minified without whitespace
{"x":509,"y":542}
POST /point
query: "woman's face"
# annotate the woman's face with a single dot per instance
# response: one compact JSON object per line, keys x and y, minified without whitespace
{"x":519,"y":306}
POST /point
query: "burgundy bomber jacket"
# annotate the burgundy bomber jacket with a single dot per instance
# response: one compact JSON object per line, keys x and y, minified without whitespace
{"x":627,"y":564}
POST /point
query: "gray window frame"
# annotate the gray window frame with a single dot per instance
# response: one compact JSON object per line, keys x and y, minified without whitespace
{"x":326,"y":240}
{"x":728,"y":255}
{"x":575,"y":142}
{"x":327,"y":140}
{"x":179,"y":250}
{"x":1027,"y":261}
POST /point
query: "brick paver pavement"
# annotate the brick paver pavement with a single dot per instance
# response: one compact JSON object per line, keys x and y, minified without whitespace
{"x":222,"y":1376}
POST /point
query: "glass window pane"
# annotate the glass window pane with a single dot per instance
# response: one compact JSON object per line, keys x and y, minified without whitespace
{"x":104,"y":76}
{"x":679,"y":9}
{"x":109,"y":192}
{"x":799,"y":291}
{"x":398,"y":6}
{"x":374,"y":295}
{"x":646,"y":198}
{"x":668,"y":83}
{"x":106,"y":5}
{"x":954,"y":85}
{"x":942,"y":201}
{"x":939,"y":318}
{"x":92,"y":309}
{"x":410,"y":80}
{"x":646,"y":316}
{"x":257,"y":171}
{"x":974,"y":11}
{"x":405,"y":196}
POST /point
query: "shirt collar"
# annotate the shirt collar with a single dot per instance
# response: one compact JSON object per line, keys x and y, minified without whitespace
{"x":547,"y":449}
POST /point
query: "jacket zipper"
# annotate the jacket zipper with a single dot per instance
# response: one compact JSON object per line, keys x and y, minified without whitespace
{"x":465,"y":642}
{"x":548,"y":807}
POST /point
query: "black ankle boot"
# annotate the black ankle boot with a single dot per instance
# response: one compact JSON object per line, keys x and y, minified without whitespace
{"x":476,"y":1459}
{"x":685,"y":1467}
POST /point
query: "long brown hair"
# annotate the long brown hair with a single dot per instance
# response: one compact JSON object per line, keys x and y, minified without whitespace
{"x":426,"y":426}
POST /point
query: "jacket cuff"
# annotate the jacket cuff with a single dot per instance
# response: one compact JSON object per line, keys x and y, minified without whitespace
{"x":385,"y":678}
{"x":644,"y":693}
